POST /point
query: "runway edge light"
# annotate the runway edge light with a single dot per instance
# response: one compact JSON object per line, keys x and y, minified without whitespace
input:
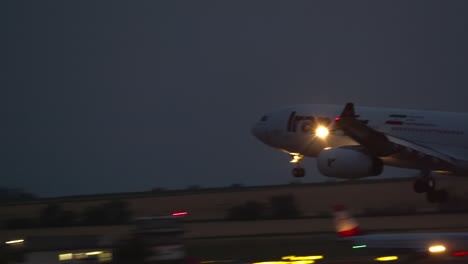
{"x":360,"y":246}
{"x":437,"y":249}
{"x":387,"y":258}
{"x":14,"y":241}
{"x":293,"y":257}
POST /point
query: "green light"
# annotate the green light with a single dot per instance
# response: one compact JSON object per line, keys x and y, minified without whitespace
{"x":360,"y":246}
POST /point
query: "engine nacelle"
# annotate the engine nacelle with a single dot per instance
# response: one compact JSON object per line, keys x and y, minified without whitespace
{"x":348,"y":163}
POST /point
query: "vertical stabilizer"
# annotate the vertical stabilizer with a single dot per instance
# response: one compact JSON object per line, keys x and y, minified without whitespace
{"x":345,"y":224}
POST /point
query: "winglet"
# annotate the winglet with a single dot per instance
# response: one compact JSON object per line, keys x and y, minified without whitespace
{"x":348,"y":111}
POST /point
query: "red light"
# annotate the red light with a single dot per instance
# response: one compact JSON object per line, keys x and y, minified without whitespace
{"x":179,"y":213}
{"x":337,"y":119}
{"x":460,"y":253}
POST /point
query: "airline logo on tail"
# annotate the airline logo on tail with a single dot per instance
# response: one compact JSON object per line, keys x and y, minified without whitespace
{"x":345,"y":224}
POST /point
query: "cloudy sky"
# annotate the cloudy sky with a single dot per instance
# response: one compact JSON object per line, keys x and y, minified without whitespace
{"x":120,"y":96}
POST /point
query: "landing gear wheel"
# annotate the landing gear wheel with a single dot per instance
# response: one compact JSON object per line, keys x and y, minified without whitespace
{"x":431,"y":183}
{"x":424,"y":185}
{"x":298,"y":172}
{"x":437,"y":196}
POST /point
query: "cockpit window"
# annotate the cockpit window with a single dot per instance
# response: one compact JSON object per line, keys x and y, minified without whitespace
{"x":264,"y":118}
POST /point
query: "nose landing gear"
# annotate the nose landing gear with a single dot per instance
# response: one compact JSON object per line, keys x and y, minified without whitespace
{"x":426,"y":184}
{"x":298,"y":171}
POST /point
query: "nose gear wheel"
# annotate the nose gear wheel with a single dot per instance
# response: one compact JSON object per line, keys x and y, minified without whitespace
{"x":427,"y":184}
{"x":298,"y":172}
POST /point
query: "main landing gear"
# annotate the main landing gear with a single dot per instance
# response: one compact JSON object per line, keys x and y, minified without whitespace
{"x":298,"y":171}
{"x":426,"y":184}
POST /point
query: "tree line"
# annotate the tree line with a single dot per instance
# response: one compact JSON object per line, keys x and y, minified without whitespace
{"x":278,"y":207}
{"x":54,"y":215}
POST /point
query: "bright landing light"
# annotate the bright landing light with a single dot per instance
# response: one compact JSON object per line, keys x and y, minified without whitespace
{"x":437,"y":249}
{"x":321,"y":132}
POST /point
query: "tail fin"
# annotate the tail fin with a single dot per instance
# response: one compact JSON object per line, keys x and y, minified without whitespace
{"x":345,"y":224}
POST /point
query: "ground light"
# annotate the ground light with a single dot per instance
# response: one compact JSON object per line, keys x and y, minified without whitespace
{"x":387,"y":258}
{"x":437,"y":249}
{"x":14,"y":241}
{"x":460,"y":253}
{"x":287,"y":262}
{"x":360,"y":246}
{"x":179,"y":213}
{"x":93,"y":253}
{"x":302,"y":257}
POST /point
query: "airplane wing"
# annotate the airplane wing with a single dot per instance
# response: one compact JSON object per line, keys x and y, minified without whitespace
{"x":387,"y":146}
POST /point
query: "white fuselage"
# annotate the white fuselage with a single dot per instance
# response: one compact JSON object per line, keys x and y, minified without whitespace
{"x":291,"y":129}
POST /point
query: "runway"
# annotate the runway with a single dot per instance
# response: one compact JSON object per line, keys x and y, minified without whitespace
{"x":273,"y":250}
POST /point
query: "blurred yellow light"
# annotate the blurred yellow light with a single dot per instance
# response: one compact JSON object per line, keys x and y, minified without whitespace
{"x":302,"y":257}
{"x":15,"y":241}
{"x":321,"y":132}
{"x":94,"y":253}
{"x":105,"y":257}
{"x":272,"y":262}
{"x":303,"y":262}
{"x":80,"y":256}
{"x":296,"y":159}
{"x":437,"y":249}
{"x":287,"y":262}
{"x":387,"y":258}
{"x":67,"y":256}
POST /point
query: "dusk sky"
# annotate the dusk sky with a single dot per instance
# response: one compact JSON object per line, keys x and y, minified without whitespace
{"x":124,"y":96}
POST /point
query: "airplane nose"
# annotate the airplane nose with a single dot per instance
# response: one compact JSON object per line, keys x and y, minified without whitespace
{"x":259,"y":130}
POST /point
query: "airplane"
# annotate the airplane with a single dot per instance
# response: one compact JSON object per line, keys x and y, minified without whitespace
{"x":356,"y":142}
{"x":423,"y":244}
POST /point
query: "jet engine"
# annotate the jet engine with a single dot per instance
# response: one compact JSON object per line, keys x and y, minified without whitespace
{"x":348,"y":163}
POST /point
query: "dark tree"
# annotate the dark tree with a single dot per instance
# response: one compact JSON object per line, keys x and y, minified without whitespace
{"x":13,"y":195}
{"x":93,"y":215}
{"x":117,"y":212}
{"x":194,"y":187}
{"x":284,"y":206}
{"x":236,"y":185}
{"x":112,"y":213}
{"x":158,"y":190}
{"x":54,"y":215}
{"x":248,"y":211}
{"x":17,"y":223}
